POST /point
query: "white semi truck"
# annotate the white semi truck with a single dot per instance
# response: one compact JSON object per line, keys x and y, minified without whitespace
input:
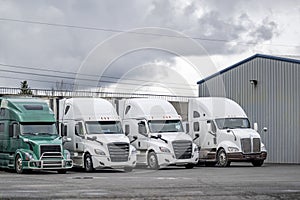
{"x":224,"y":133}
{"x":156,"y":131}
{"x":98,"y":140}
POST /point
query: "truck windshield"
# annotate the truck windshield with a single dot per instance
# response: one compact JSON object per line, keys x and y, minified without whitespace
{"x":232,"y":123}
{"x":104,"y":127}
{"x":161,"y":126}
{"x":38,"y":129}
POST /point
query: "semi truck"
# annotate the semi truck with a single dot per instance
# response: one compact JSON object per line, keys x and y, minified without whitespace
{"x":156,"y":131}
{"x":224,"y":132}
{"x":29,"y":138}
{"x":98,"y":140}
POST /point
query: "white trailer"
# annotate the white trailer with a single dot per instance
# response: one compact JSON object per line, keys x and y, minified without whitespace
{"x":223,"y":132}
{"x":98,"y":140}
{"x":157,"y":133}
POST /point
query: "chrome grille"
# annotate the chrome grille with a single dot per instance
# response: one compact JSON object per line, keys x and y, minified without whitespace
{"x":51,"y":157}
{"x":249,"y":146}
{"x":256,"y":145}
{"x":119,"y":151}
{"x":182,"y":149}
{"x":246,"y":145}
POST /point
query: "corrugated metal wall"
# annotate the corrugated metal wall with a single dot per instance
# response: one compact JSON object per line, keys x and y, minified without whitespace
{"x":273,"y":102}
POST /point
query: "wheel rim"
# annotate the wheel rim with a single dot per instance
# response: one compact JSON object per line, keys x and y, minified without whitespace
{"x":88,"y":163}
{"x":222,"y":158}
{"x":152,"y":161}
{"x":19,"y":164}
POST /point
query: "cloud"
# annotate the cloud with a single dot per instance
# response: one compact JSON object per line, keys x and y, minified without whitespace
{"x":228,"y":24}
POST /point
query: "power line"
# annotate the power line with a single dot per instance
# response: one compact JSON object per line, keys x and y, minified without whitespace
{"x":84,"y":79}
{"x":137,"y":33}
{"x":126,"y":89}
{"x":72,"y":78}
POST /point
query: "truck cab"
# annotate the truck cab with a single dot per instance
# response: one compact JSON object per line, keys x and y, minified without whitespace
{"x":156,"y":131}
{"x":98,"y":140}
{"x":28,"y":137}
{"x":224,"y":131}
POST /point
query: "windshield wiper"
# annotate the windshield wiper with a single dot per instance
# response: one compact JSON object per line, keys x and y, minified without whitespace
{"x":46,"y":134}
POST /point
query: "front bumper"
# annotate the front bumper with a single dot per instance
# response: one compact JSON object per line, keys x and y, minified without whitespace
{"x":239,"y":156}
{"x":48,"y":164}
{"x":165,"y":159}
{"x":104,"y":161}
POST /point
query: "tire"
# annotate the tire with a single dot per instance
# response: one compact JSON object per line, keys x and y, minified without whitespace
{"x":88,"y":163}
{"x":19,"y":165}
{"x":210,"y":164}
{"x":222,"y":159}
{"x":189,"y":166}
{"x":62,"y":171}
{"x":257,"y":163}
{"x":152,"y":161}
{"x":128,"y":169}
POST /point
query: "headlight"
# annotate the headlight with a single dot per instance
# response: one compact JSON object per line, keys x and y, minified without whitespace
{"x":68,"y":155}
{"x":263,"y":148}
{"x":28,"y":156}
{"x":233,"y":149}
{"x":99,"y":152}
{"x":133,"y":151}
{"x":164,"y":149}
{"x":196,"y":148}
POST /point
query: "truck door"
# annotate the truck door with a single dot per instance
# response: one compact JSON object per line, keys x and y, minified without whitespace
{"x":79,"y":136}
{"x":14,"y":140}
{"x":143,"y":139}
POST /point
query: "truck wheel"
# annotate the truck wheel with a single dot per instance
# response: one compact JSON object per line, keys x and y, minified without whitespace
{"x":257,"y":163}
{"x":88,"y":163}
{"x":223,"y":159}
{"x":128,"y":169}
{"x":189,"y":166}
{"x":210,"y":164}
{"x":152,"y":160}
{"x":19,"y":165}
{"x":62,"y":171}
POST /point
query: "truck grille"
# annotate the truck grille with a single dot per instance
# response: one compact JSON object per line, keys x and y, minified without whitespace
{"x":250,"y":147}
{"x":182,"y":149}
{"x":119,"y":151}
{"x":51,"y":156}
{"x":50,"y":149}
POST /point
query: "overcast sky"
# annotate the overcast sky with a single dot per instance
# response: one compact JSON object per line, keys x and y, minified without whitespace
{"x":150,"y":46}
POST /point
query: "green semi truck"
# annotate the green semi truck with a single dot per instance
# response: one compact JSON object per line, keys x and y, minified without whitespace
{"x":28,"y":137}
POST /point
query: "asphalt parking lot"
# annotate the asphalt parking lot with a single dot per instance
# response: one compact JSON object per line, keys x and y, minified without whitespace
{"x":240,"y":181}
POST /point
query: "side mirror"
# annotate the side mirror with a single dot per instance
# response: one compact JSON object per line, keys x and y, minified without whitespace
{"x":255,"y":126}
{"x":127,"y":130}
{"x":187,"y":128}
{"x":66,"y":140}
{"x":26,"y":140}
{"x":64,"y":130}
{"x":77,"y":129}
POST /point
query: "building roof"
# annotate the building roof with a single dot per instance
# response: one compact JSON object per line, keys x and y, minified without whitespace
{"x":247,"y":60}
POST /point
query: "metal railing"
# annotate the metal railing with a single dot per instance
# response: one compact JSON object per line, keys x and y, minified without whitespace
{"x":50,"y":93}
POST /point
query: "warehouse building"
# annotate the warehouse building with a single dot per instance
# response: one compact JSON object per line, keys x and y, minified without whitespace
{"x":268,"y":88}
